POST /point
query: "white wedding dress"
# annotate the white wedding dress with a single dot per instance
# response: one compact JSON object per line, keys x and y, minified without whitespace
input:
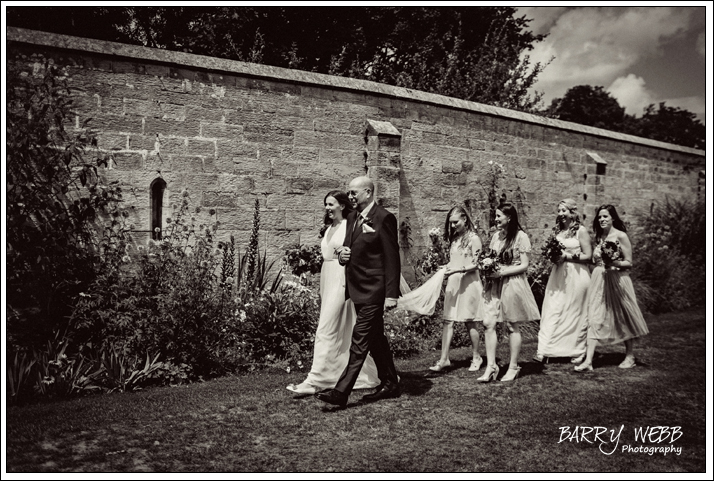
{"x":334,"y":330}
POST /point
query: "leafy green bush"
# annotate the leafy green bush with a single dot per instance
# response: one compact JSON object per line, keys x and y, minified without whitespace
{"x":60,"y":375}
{"x":18,"y":372}
{"x":669,"y":256}
{"x":538,"y":273}
{"x":124,"y":373}
{"x":54,"y":199}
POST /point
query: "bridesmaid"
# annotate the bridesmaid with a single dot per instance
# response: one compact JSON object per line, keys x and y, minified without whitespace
{"x":563,"y":324}
{"x":613,"y":314}
{"x":508,"y":297}
{"x":464,"y":292}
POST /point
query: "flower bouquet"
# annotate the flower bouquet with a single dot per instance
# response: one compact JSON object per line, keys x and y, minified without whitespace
{"x":488,"y":264}
{"x":553,"y":249}
{"x":610,"y":252}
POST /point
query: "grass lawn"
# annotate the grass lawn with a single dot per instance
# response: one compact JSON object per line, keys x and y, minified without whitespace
{"x":444,"y":422}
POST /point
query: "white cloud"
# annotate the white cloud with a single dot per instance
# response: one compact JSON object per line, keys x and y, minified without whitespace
{"x":702,"y":44}
{"x":596,"y":45}
{"x":631,"y":93}
{"x":542,"y":18}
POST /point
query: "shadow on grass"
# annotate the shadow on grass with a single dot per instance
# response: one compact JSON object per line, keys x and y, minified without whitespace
{"x":613,"y":359}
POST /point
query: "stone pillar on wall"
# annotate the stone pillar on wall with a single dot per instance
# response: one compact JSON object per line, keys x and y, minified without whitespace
{"x":383,"y":144}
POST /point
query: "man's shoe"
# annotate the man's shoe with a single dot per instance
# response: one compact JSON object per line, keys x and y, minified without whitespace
{"x":332,"y":396}
{"x":384,"y":391}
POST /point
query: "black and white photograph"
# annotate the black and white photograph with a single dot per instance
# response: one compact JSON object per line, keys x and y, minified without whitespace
{"x":327,"y":239}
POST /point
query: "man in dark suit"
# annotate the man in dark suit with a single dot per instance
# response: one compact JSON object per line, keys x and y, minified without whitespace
{"x":372,"y":267}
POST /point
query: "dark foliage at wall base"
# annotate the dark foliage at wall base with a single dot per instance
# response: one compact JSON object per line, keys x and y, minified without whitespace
{"x":56,"y":198}
{"x":669,"y":256}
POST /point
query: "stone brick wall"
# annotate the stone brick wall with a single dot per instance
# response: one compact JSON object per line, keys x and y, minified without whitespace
{"x":229,"y":132}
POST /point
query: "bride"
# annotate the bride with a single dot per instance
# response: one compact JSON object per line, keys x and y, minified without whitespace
{"x":337,"y":316}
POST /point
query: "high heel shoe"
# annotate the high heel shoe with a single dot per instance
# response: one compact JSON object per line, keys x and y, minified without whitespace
{"x":511,"y":374}
{"x":440,"y":365}
{"x":583,"y":367}
{"x":489,"y":374}
{"x":476,"y":364}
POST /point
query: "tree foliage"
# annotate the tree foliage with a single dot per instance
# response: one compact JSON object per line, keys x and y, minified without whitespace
{"x":476,"y":54}
{"x":589,"y":105}
{"x":671,"y":124}
{"x":54,"y":198}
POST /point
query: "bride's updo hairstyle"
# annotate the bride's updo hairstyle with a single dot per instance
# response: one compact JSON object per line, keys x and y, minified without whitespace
{"x":343,"y":200}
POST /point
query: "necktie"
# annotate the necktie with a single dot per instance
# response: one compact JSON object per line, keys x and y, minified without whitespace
{"x":359,"y":222}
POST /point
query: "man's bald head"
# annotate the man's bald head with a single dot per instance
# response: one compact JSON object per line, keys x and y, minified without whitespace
{"x":361,"y":192}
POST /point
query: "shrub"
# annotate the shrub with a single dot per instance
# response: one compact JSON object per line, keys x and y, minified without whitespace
{"x":538,"y":273}
{"x":279,"y":326}
{"x":61,"y":375}
{"x":436,"y":255}
{"x":669,"y":256}
{"x":18,"y":374}
{"x":124,"y":372}
{"x":55,"y":196}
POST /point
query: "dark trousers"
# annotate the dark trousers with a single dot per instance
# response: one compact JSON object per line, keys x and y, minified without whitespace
{"x":368,"y":337}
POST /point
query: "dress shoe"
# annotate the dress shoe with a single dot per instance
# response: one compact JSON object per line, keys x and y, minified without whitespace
{"x":489,"y":374}
{"x":584,"y":367}
{"x":538,"y":358}
{"x":384,"y":391}
{"x":440,"y":365}
{"x":476,"y":364}
{"x":332,"y":396}
{"x":511,"y":374}
{"x":628,"y":363}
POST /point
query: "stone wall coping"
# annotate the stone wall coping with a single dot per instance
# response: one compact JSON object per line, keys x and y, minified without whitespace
{"x":137,"y":52}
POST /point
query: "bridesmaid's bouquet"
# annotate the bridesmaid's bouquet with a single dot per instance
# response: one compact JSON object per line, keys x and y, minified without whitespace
{"x":610,"y":252}
{"x":553,"y":249}
{"x":488,"y":264}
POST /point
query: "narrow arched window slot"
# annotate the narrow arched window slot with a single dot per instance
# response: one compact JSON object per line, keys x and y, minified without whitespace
{"x":158,"y":187}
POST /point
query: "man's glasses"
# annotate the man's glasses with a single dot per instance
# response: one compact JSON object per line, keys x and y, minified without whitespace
{"x":353,"y":193}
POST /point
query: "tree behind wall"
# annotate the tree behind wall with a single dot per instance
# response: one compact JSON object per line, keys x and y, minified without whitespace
{"x":589,"y":105}
{"x":473,"y":53}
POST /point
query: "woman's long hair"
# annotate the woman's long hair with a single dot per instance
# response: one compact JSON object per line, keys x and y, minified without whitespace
{"x":574,"y":217}
{"x":616,"y":221}
{"x":342,"y":199}
{"x":449,"y":234}
{"x":509,"y":210}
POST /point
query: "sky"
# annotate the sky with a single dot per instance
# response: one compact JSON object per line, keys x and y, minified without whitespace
{"x":640,"y":55}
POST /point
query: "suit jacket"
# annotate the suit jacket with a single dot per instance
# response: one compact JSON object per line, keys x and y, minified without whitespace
{"x":372,"y":273}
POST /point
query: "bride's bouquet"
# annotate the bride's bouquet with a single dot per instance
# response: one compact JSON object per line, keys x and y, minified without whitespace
{"x":488,"y":264}
{"x":553,"y":249}
{"x":610,"y":252}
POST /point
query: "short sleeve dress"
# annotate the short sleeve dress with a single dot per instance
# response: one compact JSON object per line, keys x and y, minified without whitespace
{"x":463,"y":295}
{"x":510,"y":298}
{"x":613,"y":313}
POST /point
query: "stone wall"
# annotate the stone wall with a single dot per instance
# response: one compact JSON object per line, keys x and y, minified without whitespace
{"x":229,"y":132}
